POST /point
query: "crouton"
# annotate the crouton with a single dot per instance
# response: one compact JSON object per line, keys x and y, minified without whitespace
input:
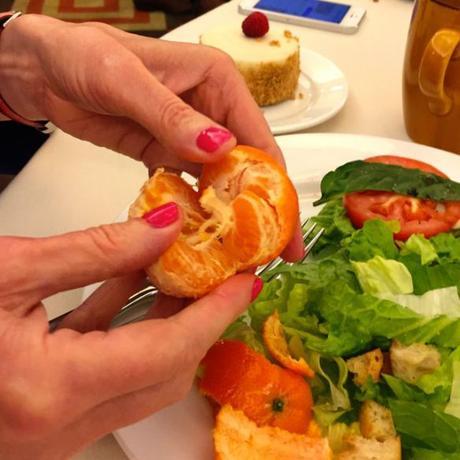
{"x":410,"y":362}
{"x":365,"y":366}
{"x":359,"y":448}
{"x":376,"y":422}
{"x":238,"y":438}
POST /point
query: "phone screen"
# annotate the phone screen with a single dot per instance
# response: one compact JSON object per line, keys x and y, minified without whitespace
{"x":312,"y":9}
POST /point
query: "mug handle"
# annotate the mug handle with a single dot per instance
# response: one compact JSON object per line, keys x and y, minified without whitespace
{"x":433,"y":67}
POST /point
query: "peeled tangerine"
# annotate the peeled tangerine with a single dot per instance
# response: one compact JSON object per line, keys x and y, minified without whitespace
{"x":242,"y":215}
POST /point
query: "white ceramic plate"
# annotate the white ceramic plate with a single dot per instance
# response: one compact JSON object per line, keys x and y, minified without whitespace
{"x":183,"y":431}
{"x":321,"y":93}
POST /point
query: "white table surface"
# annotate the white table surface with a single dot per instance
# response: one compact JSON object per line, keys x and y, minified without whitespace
{"x":70,"y":184}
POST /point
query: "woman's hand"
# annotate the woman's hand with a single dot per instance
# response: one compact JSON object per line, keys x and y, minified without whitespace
{"x":164,"y":103}
{"x":61,"y":391}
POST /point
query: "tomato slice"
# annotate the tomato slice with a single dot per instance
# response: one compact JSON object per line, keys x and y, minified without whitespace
{"x":426,"y":217}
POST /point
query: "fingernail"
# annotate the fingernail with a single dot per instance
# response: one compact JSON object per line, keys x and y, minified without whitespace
{"x":162,"y":216}
{"x":211,"y":139}
{"x":256,"y":288}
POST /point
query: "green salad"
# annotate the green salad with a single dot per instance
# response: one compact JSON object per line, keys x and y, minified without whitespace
{"x":377,"y":319}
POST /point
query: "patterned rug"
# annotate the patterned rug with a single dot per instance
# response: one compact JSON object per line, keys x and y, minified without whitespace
{"x":119,"y":13}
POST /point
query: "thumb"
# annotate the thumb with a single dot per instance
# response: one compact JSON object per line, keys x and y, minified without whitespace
{"x":50,"y":265}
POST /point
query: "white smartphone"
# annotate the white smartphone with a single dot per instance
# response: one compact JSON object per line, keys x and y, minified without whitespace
{"x":337,"y":17}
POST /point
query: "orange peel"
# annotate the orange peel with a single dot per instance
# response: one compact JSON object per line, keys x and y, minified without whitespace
{"x":236,"y":437}
{"x":242,"y":215}
{"x":275,"y":342}
{"x":233,"y":373}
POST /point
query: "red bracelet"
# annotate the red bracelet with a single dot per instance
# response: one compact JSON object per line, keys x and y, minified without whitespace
{"x":5,"y":109}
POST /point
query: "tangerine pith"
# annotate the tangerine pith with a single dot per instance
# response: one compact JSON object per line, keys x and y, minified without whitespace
{"x":242,"y":215}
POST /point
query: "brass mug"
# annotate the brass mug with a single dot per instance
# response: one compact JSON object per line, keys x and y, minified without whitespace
{"x":431,"y":80}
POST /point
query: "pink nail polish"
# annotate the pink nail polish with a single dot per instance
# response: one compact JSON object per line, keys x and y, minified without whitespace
{"x":211,"y":139}
{"x":162,"y":216}
{"x":256,"y":288}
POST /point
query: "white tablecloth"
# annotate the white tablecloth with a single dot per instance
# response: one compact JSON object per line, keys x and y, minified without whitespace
{"x":70,"y":184}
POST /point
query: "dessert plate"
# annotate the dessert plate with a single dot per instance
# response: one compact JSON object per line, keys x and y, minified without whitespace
{"x":321,"y":93}
{"x":183,"y":431}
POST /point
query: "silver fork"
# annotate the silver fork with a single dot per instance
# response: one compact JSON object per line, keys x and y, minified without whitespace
{"x":139,"y":303}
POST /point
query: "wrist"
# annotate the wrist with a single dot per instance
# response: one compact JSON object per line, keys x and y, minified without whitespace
{"x":22,"y":82}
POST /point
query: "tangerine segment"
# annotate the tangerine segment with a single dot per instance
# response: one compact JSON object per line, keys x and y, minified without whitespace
{"x":236,"y":437}
{"x":252,"y":170}
{"x":254,"y":232}
{"x":235,"y":374}
{"x":275,"y":341}
{"x":243,"y":215}
{"x":172,"y":270}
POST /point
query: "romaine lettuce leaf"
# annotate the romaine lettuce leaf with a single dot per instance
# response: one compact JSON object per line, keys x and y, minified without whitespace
{"x":383,"y":276}
{"x":443,"y":301}
{"x":273,"y":297}
{"x":438,"y":331}
{"x":333,"y":219}
{"x":426,"y":454}
{"x":447,"y":246}
{"x":297,"y":300}
{"x":440,"y":381}
{"x":429,"y":277}
{"x":354,"y":320}
{"x":418,"y":244}
{"x":328,"y":385}
{"x":320,"y":273}
{"x":336,"y":402}
{"x":453,"y":406}
{"x":374,"y":239}
{"x":240,"y":330}
{"x":371,"y":390}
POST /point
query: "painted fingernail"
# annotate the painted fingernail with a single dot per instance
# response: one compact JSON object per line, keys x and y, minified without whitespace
{"x":162,"y":216}
{"x":256,"y":288}
{"x":211,"y":139}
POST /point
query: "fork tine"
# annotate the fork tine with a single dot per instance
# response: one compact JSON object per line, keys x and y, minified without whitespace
{"x":310,"y":245}
{"x":308,"y":232}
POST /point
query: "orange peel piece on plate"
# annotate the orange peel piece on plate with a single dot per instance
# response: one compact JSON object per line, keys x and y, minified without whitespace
{"x":236,"y":437}
{"x":243,"y":214}
{"x":233,"y":373}
{"x":275,"y":341}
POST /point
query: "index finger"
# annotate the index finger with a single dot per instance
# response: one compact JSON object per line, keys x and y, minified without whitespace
{"x":242,"y":116}
{"x":246,"y":121}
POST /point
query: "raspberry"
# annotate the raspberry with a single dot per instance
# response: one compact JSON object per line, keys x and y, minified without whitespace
{"x":255,"y":25}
